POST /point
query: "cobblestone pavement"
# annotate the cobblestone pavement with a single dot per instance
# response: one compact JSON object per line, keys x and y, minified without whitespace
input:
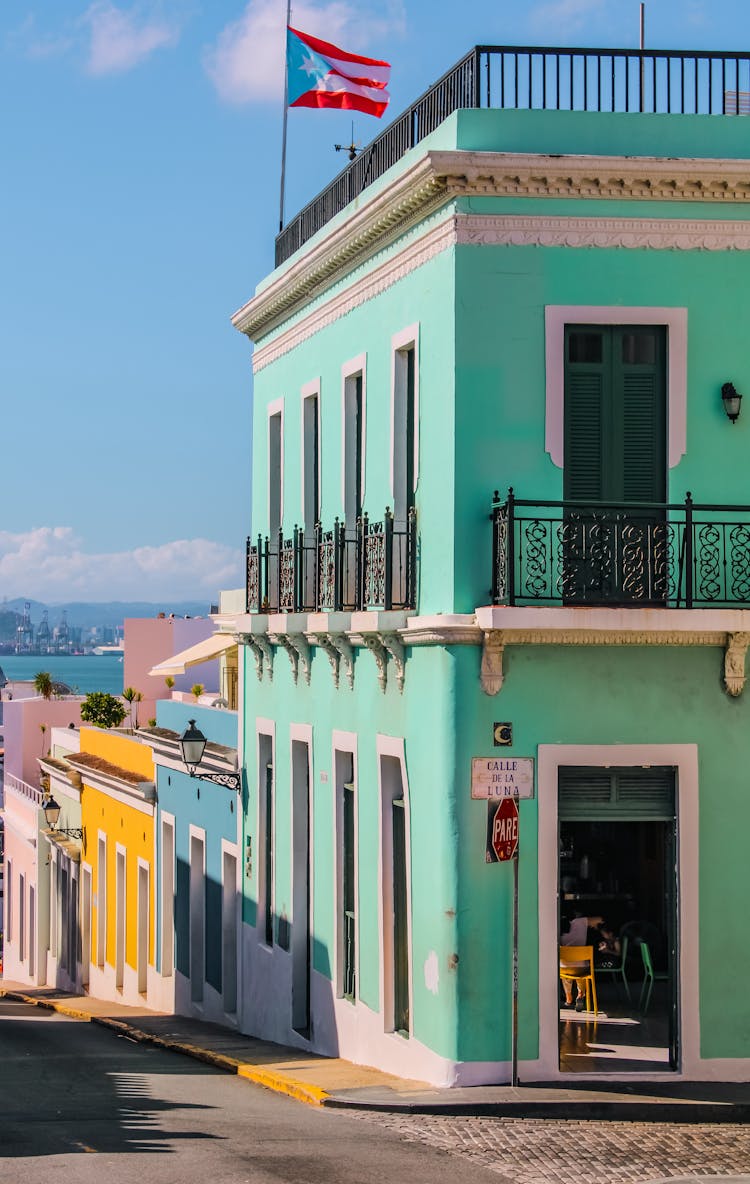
{"x":549,"y":1151}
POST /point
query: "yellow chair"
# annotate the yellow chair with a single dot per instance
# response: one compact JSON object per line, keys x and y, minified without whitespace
{"x":576,"y":964}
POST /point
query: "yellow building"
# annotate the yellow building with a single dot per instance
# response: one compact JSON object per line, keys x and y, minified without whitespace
{"x":118,"y":807}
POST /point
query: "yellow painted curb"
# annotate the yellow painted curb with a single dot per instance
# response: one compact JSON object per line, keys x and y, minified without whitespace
{"x":313,"y":1095}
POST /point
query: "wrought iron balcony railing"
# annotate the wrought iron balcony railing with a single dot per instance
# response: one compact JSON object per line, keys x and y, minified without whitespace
{"x":660,"y":81}
{"x":684,"y":555}
{"x":370,"y":565}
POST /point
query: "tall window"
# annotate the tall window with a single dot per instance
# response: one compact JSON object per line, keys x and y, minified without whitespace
{"x":353,"y":446}
{"x":615,"y":452}
{"x":396,"y":906}
{"x":167,"y":897}
{"x":311,"y":461}
{"x":197,"y":918}
{"x":274,"y":474}
{"x":404,"y":433}
{"x":347,"y":873}
{"x":265,"y":822}
{"x":101,"y":903}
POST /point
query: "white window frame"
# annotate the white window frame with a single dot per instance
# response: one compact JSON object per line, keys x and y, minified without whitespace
{"x":401,"y":342}
{"x":273,"y":409}
{"x":311,"y":390}
{"x":167,"y":922}
{"x":675,"y":320}
{"x":351,"y":369}
{"x":393,"y":747}
{"x":684,"y":759}
{"x":198,"y":833}
{"x":344,"y":743}
{"x":267,"y":729}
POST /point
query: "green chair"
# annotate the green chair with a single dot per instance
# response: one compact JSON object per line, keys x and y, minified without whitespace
{"x":648,"y":978}
{"x":619,"y":969}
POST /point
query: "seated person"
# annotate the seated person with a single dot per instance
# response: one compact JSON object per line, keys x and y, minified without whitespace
{"x":575,"y":933}
{"x":607,"y":952}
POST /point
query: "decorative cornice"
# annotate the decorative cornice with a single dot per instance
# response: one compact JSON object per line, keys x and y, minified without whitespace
{"x":388,"y":213}
{"x":656,"y":234}
{"x":437,"y":239}
{"x":440,"y":177}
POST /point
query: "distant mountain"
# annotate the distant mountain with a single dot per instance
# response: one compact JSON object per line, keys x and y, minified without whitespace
{"x":113,"y":612}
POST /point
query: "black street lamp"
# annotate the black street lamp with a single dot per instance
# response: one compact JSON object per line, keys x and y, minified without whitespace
{"x":193,"y":745}
{"x":52,"y":814}
{"x":731,"y":400}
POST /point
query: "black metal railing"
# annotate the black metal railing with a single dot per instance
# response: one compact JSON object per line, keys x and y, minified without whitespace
{"x":538,"y":78}
{"x":682,"y":555}
{"x":344,"y":569}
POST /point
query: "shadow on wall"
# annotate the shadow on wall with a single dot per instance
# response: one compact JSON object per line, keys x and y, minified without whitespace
{"x":208,"y":898}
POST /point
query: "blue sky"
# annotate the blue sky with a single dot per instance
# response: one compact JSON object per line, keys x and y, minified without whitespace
{"x":140,"y":145}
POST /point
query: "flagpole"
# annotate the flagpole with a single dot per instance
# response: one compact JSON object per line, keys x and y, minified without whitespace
{"x":286,"y":113}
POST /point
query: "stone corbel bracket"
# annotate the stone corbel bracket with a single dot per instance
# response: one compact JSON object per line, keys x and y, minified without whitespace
{"x":333,"y":653}
{"x":374,"y":643}
{"x":396,"y":650}
{"x":262,"y":652}
{"x":734,"y":663}
{"x":343,"y":645}
{"x":491,"y":673}
{"x":298,"y":649}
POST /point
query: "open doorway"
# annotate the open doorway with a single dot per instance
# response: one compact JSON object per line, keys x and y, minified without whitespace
{"x":617,"y":867}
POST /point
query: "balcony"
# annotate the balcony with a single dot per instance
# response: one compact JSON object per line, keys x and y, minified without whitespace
{"x":670,"y":82}
{"x":369,"y":566}
{"x":683,"y":555}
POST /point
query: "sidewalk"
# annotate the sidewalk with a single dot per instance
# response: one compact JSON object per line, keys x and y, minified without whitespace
{"x":334,"y":1082}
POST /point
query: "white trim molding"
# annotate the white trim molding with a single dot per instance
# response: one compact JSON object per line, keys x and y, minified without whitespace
{"x":310,"y":390}
{"x":406,"y":339}
{"x":387,"y":211}
{"x":684,"y":759}
{"x":276,"y":407}
{"x":557,"y":316}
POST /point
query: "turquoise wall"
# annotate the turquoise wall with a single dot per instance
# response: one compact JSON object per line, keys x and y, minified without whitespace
{"x":501,"y":293}
{"x":602,"y":695}
{"x":425,"y":714}
{"x":424,"y":296}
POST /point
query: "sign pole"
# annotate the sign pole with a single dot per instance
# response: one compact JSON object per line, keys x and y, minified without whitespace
{"x":514,"y":1030}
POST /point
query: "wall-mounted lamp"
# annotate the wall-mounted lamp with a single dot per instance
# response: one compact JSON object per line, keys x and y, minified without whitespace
{"x":731,"y":401}
{"x":52,"y":814}
{"x":193,"y":744}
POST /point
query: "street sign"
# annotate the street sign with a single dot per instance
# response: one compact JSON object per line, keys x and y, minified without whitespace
{"x":502,"y":777}
{"x":502,"y":830}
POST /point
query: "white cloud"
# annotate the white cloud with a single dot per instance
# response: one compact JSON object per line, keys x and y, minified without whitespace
{"x":560,"y":17}
{"x":122,"y":38}
{"x":49,"y":563}
{"x":246,"y":65}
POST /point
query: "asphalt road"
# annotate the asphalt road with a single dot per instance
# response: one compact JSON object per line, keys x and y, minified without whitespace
{"x":78,"y":1102}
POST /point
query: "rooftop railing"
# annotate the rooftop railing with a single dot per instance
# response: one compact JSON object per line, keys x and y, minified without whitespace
{"x":681,"y":555}
{"x":23,"y":789}
{"x":655,"y":81}
{"x":345,"y":569}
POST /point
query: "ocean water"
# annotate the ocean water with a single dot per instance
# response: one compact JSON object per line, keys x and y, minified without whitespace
{"x":81,"y":673}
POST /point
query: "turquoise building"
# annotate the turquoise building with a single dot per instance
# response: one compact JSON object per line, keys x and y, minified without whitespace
{"x":499,"y":487}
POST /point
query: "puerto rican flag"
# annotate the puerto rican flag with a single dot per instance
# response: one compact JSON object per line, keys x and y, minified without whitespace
{"x":321,"y":75}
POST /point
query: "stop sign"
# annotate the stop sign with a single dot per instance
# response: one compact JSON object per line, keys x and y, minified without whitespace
{"x":504,"y":831}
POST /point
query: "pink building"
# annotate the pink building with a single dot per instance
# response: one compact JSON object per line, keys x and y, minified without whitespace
{"x":27,"y":725}
{"x":148,"y":641}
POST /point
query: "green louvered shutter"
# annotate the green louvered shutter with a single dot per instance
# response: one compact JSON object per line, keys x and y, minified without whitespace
{"x":587,"y":399}
{"x":639,"y":384}
{"x":616,"y":795}
{"x":615,"y":413}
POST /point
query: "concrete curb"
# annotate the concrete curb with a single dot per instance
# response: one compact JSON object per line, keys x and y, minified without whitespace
{"x":651,"y":1109}
{"x":312,"y":1095}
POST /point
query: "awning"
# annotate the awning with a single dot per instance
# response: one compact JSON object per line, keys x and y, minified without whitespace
{"x":209,"y":648}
